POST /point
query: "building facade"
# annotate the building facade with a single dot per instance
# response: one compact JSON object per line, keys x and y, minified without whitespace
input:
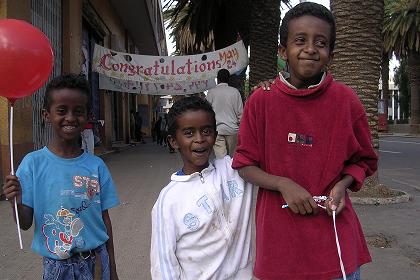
{"x":394,"y":111}
{"x":74,"y":27}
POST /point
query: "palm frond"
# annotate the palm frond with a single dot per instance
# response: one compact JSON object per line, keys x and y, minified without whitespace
{"x":402,"y":26}
{"x":193,"y":22}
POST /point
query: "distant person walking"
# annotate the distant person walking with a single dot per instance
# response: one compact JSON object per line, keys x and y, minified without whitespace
{"x":227,"y":103}
{"x":132,"y":125}
{"x":139,"y":122}
{"x":156,"y":128}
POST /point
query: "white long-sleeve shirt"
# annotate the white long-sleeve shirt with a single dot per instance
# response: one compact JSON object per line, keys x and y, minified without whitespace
{"x":227,"y":104}
{"x":201,"y":226}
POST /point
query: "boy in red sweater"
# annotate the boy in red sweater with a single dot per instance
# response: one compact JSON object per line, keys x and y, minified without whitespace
{"x":308,"y":136}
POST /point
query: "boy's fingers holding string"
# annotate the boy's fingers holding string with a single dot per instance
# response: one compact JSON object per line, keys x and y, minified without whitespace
{"x":302,"y":209}
{"x":333,"y":205}
{"x":314,"y":206}
{"x":294,"y":208}
{"x":308,"y":207}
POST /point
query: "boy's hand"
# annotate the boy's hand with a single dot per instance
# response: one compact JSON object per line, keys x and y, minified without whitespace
{"x":337,"y":196}
{"x":11,"y":189}
{"x":265,"y":85}
{"x":298,"y":199}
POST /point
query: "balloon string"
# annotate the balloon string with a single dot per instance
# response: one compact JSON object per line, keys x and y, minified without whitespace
{"x":12,"y":167}
{"x":343,"y":272}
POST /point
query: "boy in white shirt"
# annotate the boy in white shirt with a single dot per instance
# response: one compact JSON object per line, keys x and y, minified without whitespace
{"x":201,"y":225}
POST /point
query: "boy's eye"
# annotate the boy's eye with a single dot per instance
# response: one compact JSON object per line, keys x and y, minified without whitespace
{"x":188,"y":133}
{"x":80,"y":111}
{"x":299,"y":40}
{"x":206,"y":131}
{"x":320,"y":44}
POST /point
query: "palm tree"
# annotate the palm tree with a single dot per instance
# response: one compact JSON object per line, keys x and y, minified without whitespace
{"x":358,"y":52}
{"x":402,"y":35}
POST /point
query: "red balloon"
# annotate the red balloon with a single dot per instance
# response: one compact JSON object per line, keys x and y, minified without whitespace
{"x":26,"y":59}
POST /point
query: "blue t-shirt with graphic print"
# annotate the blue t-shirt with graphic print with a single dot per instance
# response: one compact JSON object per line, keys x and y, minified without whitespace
{"x":68,"y":197}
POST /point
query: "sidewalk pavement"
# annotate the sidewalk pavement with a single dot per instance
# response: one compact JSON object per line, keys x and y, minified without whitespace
{"x":141,"y":171}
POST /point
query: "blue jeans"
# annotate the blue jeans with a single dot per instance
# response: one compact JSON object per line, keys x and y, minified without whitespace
{"x":77,"y":267}
{"x":354,"y":276}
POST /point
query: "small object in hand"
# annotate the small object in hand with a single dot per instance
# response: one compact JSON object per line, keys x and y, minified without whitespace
{"x":318,"y":199}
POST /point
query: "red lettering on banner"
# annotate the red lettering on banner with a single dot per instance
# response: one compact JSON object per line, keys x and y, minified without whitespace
{"x":148,"y":71}
{"x":211,"y":65}
{"x":182,"y":70}
{"x":104,"y":60}
{"x":202,"y":67}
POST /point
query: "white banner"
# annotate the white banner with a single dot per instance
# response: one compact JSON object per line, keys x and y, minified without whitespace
{"x":164,"y":88}
{"x":159,"y":69}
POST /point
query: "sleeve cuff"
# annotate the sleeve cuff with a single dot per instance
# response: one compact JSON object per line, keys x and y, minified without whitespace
{"x":239,"y":161}
{"x":358,"y":175}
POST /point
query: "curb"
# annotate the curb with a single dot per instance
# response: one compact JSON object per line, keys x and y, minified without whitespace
{"x":405,"y":197}
{"x":404,"y":135}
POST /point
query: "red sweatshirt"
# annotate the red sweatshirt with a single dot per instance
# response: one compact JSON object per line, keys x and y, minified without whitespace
{"x":312,"y":136}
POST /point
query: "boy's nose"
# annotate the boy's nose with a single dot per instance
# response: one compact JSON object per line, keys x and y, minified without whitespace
{"x":199,"y":137}
{"x":70,"y":116}
{"x":310,"y":48}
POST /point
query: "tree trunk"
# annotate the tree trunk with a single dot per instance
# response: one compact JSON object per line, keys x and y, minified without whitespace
{"x":233,"y":21}
{"x":264,"y":31}
{"x":385,"y":81}
{"x":413,"y":67}
{"x":358,"y":52}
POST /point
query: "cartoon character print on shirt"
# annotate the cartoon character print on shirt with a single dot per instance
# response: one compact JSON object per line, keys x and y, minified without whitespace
{"x":62,"y":231}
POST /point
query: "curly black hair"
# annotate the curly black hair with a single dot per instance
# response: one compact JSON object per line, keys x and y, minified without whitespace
{"x":69,"y":81}
{"x":183,"y":105}
{"x":307,"y":9}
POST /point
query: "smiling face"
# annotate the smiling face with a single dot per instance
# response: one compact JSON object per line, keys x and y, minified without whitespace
{"x":194,"y":138}
{"x":308,"y":50}
{"x":67,"y":114}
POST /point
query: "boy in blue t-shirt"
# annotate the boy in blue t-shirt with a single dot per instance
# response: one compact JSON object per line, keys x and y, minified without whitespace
{"x":66,"y":190}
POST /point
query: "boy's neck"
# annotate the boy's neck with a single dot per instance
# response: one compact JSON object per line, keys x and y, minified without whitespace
{"x":188,"y":171}
{"x":302,"y":85}
{"x":65,"y":150}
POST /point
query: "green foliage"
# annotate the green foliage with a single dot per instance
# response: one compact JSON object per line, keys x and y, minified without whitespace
{"x":402,"y":26}
{"x":401,"y":80}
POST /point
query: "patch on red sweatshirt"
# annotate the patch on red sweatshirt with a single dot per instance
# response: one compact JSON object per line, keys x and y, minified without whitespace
{"x":296,"y":138}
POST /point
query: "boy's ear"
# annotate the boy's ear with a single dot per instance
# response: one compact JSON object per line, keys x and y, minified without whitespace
{"x":282,"y":52}
{"x":327,"y":67}
{"x":173,"y":142}
{"x":331,"y":58}
{"x":45,"y":115}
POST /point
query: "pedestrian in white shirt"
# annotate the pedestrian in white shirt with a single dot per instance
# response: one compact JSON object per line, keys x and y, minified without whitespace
{"x":201,"y":225}
{"x":227,"y":104}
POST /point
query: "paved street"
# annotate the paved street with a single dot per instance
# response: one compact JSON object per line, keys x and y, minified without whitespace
{"x":140,"y":173}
